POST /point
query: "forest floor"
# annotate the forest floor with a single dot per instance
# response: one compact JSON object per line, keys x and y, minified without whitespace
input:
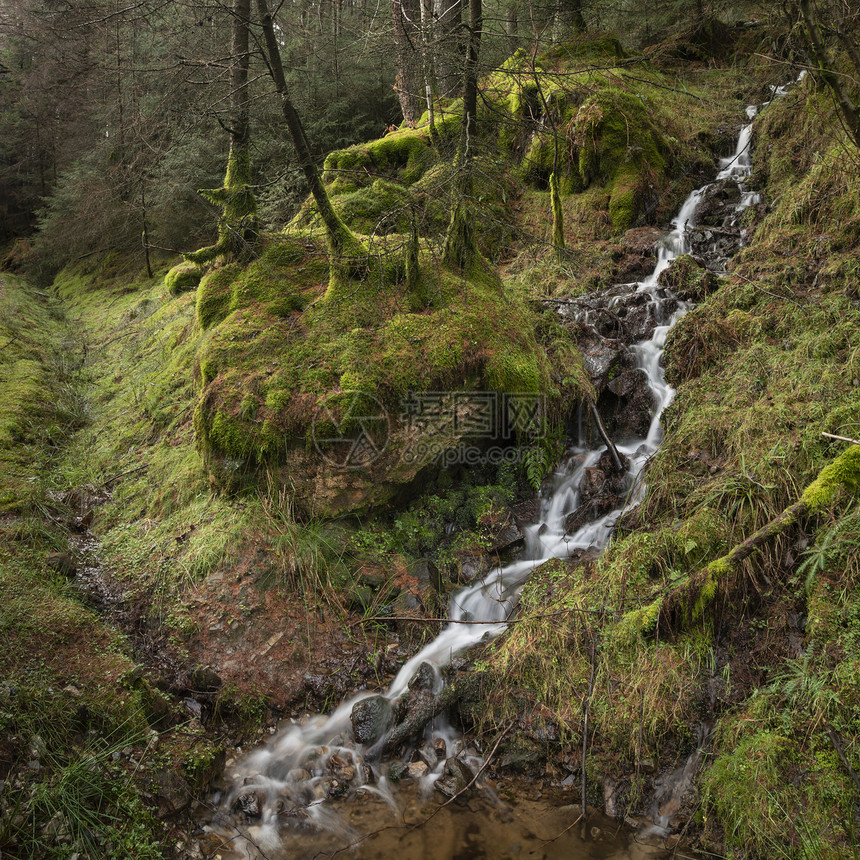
{"x":153,"y":626}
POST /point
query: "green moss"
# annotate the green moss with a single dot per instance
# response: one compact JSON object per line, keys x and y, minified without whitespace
{"x":262,"y":282}
{"x":842,"y":474}
{"x":183,"y":278}
{"x":214,"y":294}
{"x":38,"y":404}
{"x":403,"y":155}
{"x":557,"y":215}
{"x":622,"y":148}
{"x":379,"y":208}
{"x":689,"y":279}
{"x":238,"y":228}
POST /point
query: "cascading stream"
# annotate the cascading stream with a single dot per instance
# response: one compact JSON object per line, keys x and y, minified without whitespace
{"x":290,"y":779}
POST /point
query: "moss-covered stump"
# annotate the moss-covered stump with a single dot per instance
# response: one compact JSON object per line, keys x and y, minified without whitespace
{"x":330,"y":394}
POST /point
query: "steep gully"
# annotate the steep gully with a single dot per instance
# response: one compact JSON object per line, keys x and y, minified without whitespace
{"x":283,"y":793}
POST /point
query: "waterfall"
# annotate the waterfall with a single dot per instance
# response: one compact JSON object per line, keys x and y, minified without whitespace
{"x":289,"y":773}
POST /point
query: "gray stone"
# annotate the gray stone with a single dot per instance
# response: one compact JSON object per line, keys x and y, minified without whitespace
{"x":456,"y":775}
{"x":62,"y":563}
{"x":396,"y":770}
{"x":417,"y":769}
{"x":371,"y":719}
{"x":249,"y":803}
{"x":174,"y":795}
{"x":205,"y":680}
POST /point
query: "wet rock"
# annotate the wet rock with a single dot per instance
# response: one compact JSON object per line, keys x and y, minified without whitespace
{"x":417,"y":769}
{"x":439,"y":748}
{"x":601,"y":490}
{"x":527,"y":512}
{"x":360,"y":597}
{"x":192,"y":707}
{"x":173,"y":793}
{"x":205,"y":680}
{"x":629,"y":384}
{"x":420,"y":705}
{"x":249,"y":804}
{"x":57,"y":829}
{"x":365,"y":773}
{"x":335,"y":787}
{"x":62,"y":563}
{"x":456,"y":775}
{"x":427,"y":574}
{"x":423,"y":679}
{"x":299,"y":774}
{"x":638,"y":253}
{"x":627,"y":416}
{"x":689,"y":279}
{"x":396,"y":770}
{"x":602,"y":358}
{"x":472,"y":567}
{"x":406,"y":603}
{"x":504,"y":535}
{"x":319,"y":685}
{"x":611,"y":806}
{"x":371,"y":719}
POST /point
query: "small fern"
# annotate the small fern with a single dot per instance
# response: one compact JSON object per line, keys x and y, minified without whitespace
{"x":538,"y":461}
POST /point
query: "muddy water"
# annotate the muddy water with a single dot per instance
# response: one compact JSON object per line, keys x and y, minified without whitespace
{"x":504,"y":821}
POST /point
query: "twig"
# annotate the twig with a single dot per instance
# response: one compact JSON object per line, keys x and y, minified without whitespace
{"x":118,"y":337}
{"x":841,"y":438}
{"x":152,"y":740}
{"x":569,"y":827}
{"x":123,"y":474}
{"x":664,"y":87}
{"x":831,"y":734}
{"x":584,"y":815}
{"x":768,"y":292}
{"x":420,"y":620}
{"x":601,"y":429}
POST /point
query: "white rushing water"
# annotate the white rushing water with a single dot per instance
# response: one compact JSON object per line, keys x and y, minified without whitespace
{"x":294,"y":770}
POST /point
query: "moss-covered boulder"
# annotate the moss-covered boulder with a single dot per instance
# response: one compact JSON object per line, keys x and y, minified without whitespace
{"x":347,"y":402}
{"x":183,"y":278}
{"x":621,"y":148}
{"x":689,"y":279}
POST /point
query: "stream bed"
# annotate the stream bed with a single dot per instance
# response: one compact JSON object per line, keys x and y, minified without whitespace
{"x":331,"y":784}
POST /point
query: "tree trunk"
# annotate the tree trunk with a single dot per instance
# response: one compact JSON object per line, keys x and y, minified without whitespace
{"x":449,"y":45}
{"x":241,"y":209}
{"x":460,"y":246}
{"x":512,"y":26}
{"x":847,"y":108}
{"x":568,"y":18}
{"x":238,"y":229}
{"x":407,"y":40}
{"x":339,"y":235}
{"x":688,"y":602}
